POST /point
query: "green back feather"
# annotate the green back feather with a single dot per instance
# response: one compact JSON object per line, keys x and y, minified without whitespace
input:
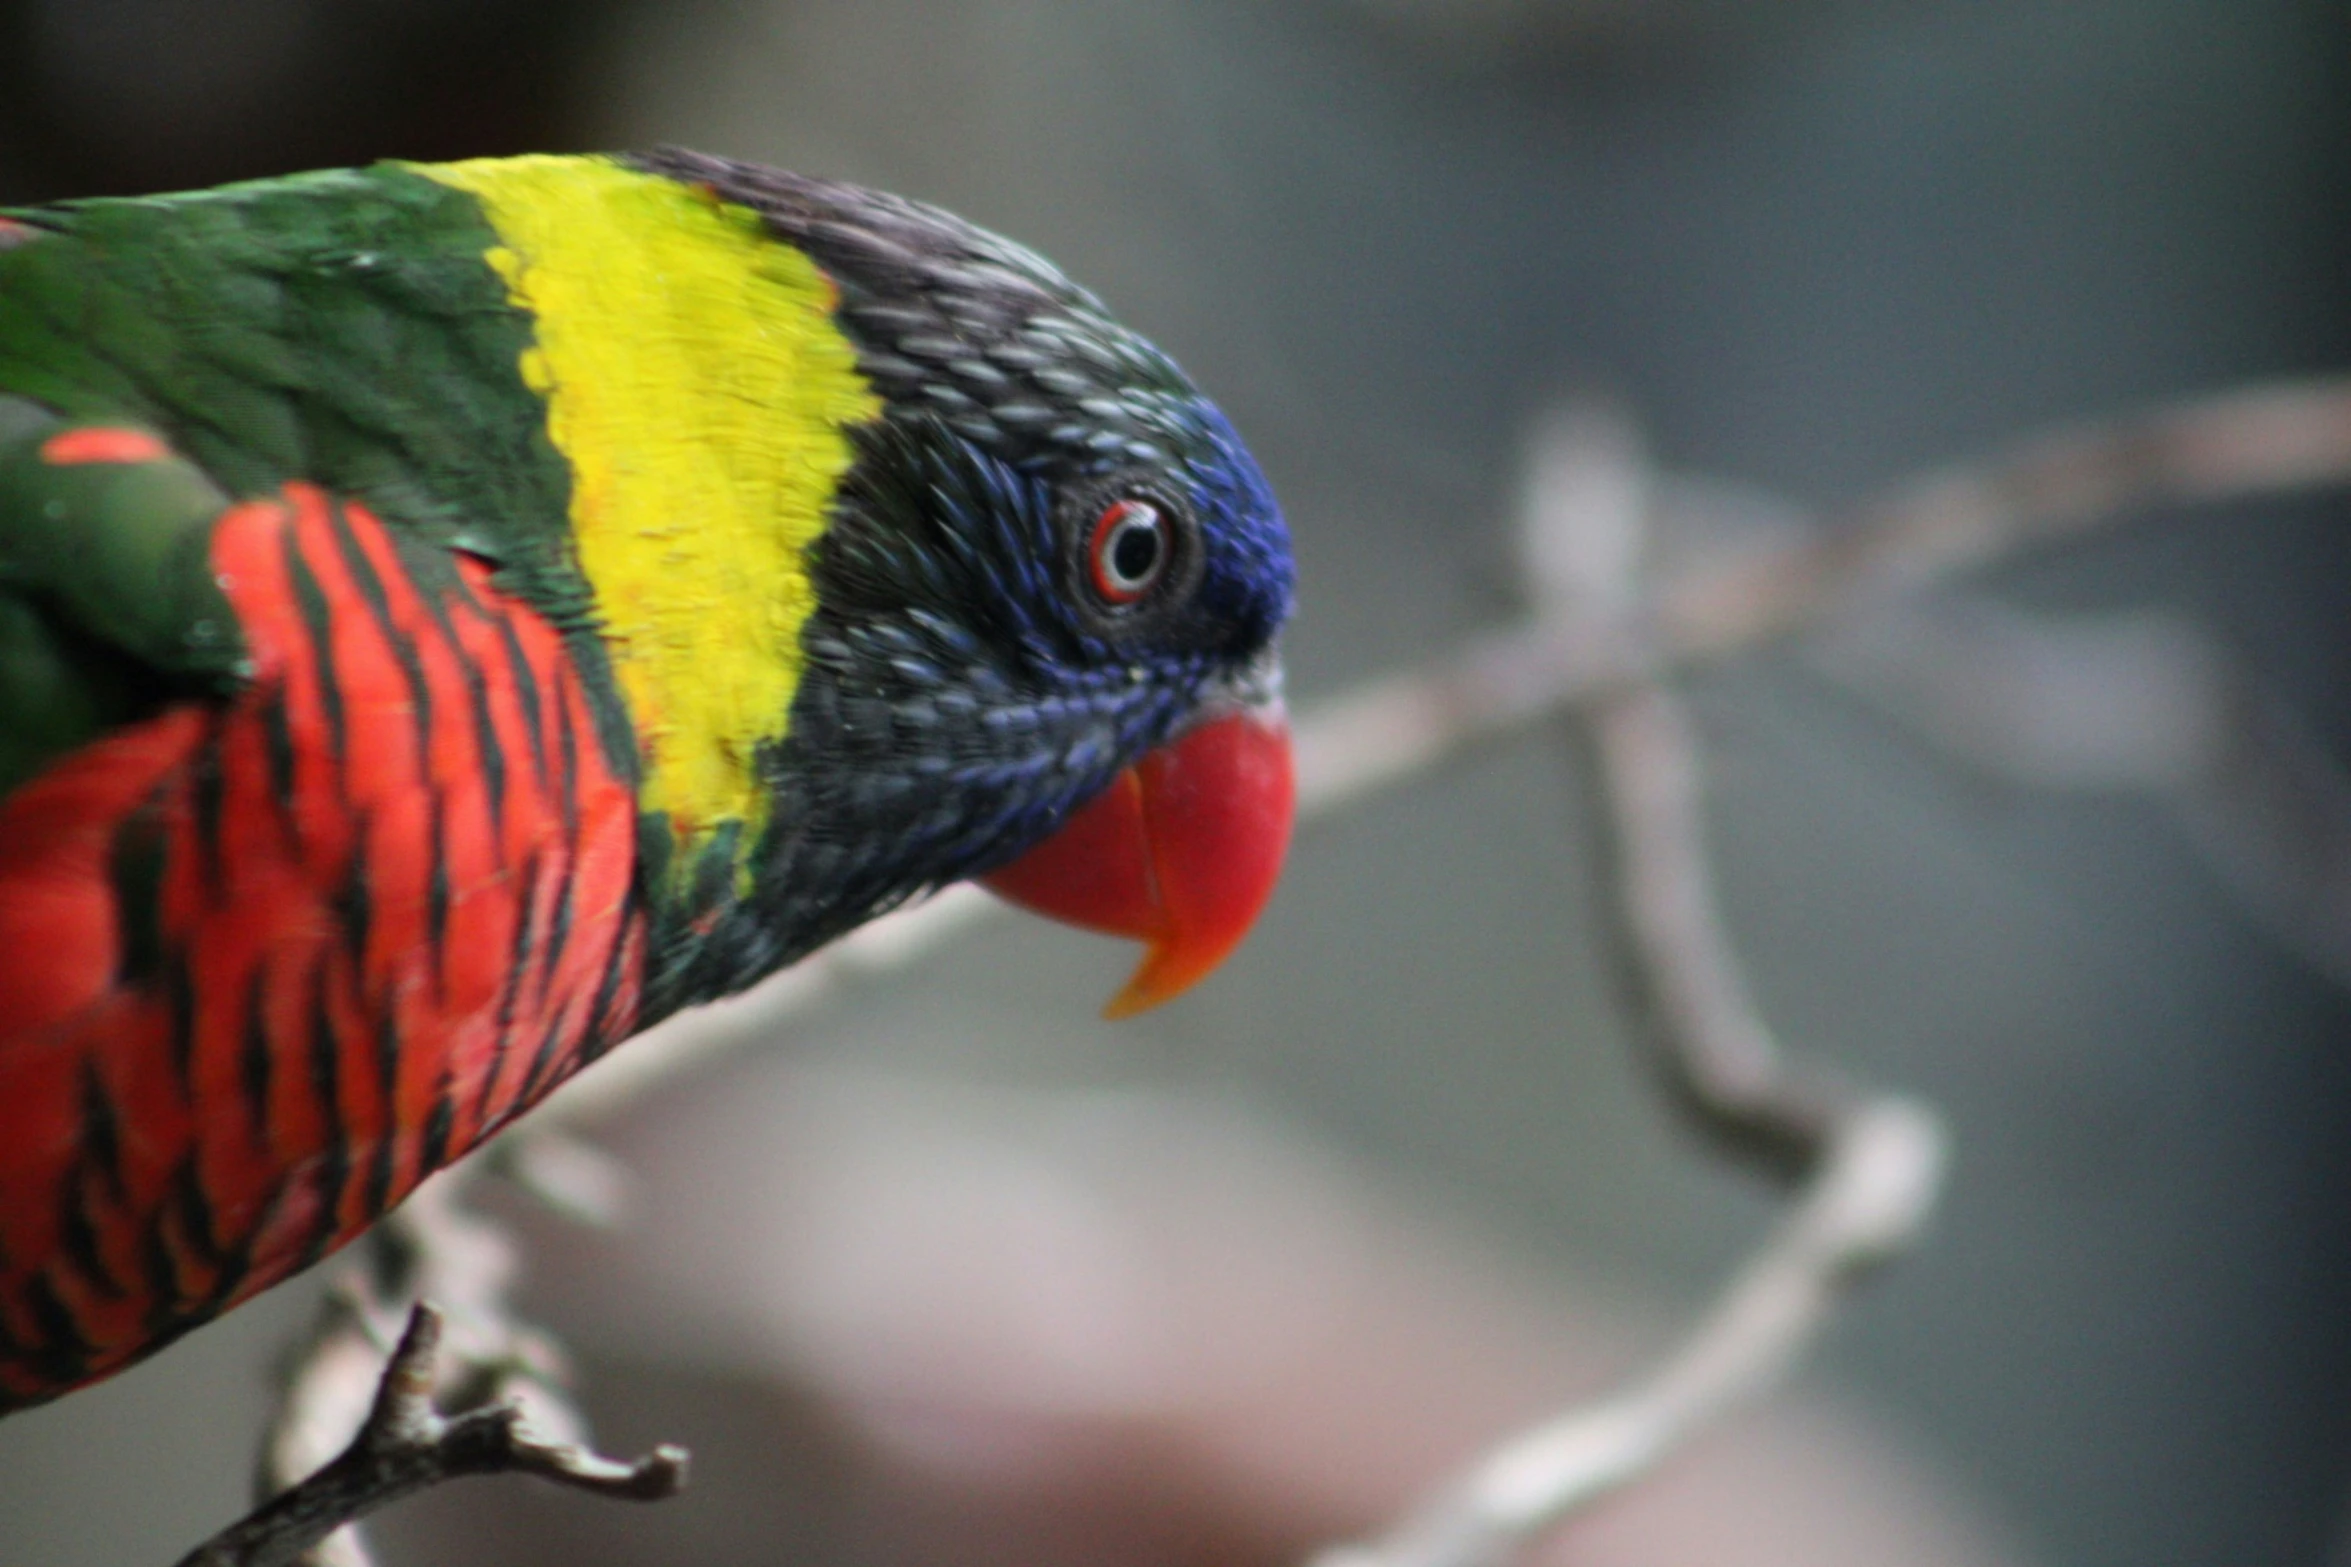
{"x":341,"y":328}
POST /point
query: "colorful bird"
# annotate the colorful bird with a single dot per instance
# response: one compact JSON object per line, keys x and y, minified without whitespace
{"x":452,"y":617}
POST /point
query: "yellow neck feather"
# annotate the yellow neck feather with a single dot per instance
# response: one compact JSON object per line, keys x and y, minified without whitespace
{"x":699,"y":389}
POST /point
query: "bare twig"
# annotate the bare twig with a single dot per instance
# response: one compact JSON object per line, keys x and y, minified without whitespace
{"x":2266,"y":440}
{"x":1587,"y":522}
{"x":434,"y":1247}
{"x":2257,"y":441}
{"x":1683,"y":981}
{"x":1877,"y":1183}
{"x":404,"y":1446}
{"x":1871,"y":1167}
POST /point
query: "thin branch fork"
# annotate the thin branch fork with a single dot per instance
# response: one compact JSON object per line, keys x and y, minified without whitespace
{"x":355,"y":1424}
{"x":405,"y":1446}
{"x":1870,"y":1167}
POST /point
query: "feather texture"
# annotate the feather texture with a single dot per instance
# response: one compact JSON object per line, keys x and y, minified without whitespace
{"x":452,"y":617}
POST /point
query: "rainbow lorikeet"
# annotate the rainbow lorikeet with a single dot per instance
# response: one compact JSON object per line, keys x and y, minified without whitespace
{"x":452,"y":617}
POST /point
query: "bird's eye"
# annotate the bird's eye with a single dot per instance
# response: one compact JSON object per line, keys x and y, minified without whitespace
{"x":1129,"y":550}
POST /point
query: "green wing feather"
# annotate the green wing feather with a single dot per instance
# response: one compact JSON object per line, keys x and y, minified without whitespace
{"x":340,"y":328}
{"x":107,"y":604}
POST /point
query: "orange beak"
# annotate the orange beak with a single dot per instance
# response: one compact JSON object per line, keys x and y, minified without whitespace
{"x":1180,"y":853}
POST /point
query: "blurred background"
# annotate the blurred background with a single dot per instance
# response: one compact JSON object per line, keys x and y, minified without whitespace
{"x":944,"y":1273}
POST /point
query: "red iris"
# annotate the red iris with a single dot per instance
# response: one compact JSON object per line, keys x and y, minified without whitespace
{"x":1128,"y":551}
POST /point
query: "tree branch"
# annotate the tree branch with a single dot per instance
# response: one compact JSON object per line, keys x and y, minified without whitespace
{"x":1870,"y":1167}
{"x":1682,"y":980}
{"x":405,"y":1446}
{"x":2258,"y":440}
{"x":1876,"y":1185}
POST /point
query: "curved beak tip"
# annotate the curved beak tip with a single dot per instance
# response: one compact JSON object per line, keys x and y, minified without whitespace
{"x":1181,"y":852}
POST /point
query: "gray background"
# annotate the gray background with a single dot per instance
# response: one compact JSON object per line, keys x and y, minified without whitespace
{"x":1814,"y":246}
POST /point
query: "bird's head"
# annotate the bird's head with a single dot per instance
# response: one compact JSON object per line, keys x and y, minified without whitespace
{"x":1048,"y":598}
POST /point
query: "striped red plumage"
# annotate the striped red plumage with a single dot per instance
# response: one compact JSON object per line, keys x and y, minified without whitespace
{"x":298,"y":949}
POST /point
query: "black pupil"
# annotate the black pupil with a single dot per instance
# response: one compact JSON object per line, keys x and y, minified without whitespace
{"x":1134,"y":546}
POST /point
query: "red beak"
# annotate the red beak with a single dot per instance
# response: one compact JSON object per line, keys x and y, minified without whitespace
{"x":1180,"y":852}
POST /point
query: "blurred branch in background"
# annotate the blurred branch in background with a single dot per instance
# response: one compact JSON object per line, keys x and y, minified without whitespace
{"x":1870,"y":1166}
{"x":1640,"y":576}
{"x":425,"y":1319}
{"x":405,"y":1446}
